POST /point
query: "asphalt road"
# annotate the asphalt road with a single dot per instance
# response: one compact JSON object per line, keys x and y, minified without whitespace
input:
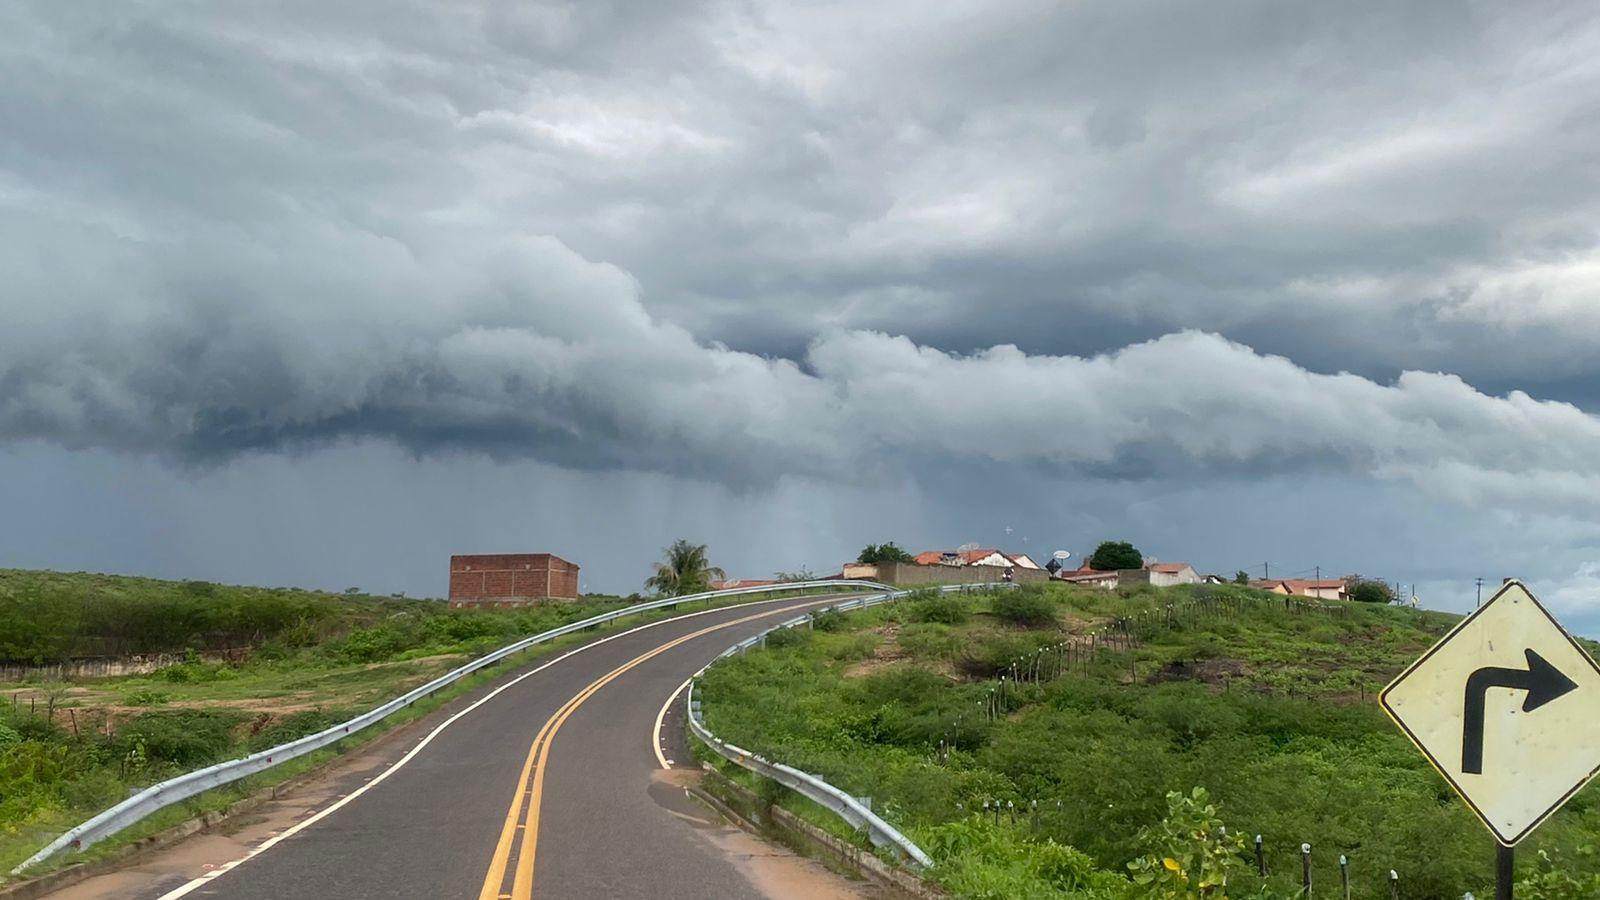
{"x":549,"y":788}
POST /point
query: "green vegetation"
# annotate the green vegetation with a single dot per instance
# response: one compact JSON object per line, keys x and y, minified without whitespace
{"x":291,"y":662}
{"x":1084,"y":784}
{"x":889,"y":552}
{"x":1116,"y":555}
{"x":686,"y":570}
{"x":54,"y":616}
{"x":1370,"y":590}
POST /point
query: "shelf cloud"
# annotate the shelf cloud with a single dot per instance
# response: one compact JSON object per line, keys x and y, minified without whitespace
{"x":743,"y":247}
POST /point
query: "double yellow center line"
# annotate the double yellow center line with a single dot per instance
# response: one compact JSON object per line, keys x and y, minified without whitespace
{"x":524,"y":812}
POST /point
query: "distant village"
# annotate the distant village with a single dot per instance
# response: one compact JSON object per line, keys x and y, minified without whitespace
{"x":988,"y":564}
{"x":492,"y":580}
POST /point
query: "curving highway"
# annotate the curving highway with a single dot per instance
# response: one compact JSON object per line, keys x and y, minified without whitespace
{"x":552,"y":783}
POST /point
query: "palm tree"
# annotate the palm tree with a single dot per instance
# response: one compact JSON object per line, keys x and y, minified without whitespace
{"x":684,"y":571}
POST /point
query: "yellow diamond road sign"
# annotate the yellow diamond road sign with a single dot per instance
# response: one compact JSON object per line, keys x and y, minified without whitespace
{"x":1507,"y":707}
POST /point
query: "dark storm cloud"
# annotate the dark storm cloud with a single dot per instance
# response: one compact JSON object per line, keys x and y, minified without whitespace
{"x":742,"y":243}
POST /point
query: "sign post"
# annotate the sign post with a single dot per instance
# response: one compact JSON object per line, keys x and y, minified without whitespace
{"x":1504,"y":707}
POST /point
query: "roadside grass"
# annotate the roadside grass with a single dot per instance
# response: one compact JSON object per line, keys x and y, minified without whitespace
{"x":69,"y":750}
{"x":1272,"y":711}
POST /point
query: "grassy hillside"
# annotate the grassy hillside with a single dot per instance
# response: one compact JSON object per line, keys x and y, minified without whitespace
{"x":1270,"y":710}
{"x":49,"y":617}
{"x":297,"y":661}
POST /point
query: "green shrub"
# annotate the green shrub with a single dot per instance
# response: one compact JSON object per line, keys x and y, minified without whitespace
{"x":146,"y":697}
{"x":988,"y":655}
{"x":1027,"y":609}
{"x":847,"y":648}
{"x":294,"y":726}
{"x":189,"y":738}
{"x":370,"y":645}
{"x":1189,"y":855}
{"x":198,"y":672}
{"x":1553,"y":879}
{"x":946,"y":609}
{"x":788,"y":637}
{"x":930,"y":640}
{"x":975,"y":858}
{"x":830,"y":620}
{"x":33,"y":773}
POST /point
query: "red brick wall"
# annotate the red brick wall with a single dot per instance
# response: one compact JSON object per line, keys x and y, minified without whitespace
{"x":497,"y":579}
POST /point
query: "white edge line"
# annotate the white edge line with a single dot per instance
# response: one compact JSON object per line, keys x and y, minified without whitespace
{"x":655,"y":735}
{"x":187,"y":888}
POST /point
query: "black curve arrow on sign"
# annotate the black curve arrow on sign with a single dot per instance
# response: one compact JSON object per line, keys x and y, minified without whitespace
{"x":1543,"y":682}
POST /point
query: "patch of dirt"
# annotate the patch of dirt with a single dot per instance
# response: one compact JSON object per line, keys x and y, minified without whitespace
{"x":887,"y":653}
{"x":1206,"y":671}
{"x":1077,"y":624}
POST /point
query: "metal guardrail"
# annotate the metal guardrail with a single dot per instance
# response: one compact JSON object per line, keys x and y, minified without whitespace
{"x":166,"y":793}
{"x":837,"y":801}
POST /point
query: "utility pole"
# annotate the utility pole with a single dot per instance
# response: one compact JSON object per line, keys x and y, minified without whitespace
{"x":1266,"y":571}
{"x":1319,"y":573}
{"x":1480,"y":592}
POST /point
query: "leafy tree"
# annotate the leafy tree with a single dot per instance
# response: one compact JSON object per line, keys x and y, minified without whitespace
{"x":1241,"y":577}
{"x":880,"y":553}
{"x":685,"y":570}
{"x":1369,"y":590}
{"x":803,"y":574}
{"x":1116,"y":555}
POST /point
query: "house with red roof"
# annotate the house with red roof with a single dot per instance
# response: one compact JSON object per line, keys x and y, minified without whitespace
{"x":1323,"y":589}
{"x":1167,"y":574}
{"x":1089,"y":578}
{"x":986,"y":556}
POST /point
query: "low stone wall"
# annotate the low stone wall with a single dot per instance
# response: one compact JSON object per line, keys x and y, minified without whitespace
{"x":911,"y":575}
{"x":74,"y":669}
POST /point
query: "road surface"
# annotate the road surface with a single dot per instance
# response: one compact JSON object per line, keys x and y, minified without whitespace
{"x":548,"y":784}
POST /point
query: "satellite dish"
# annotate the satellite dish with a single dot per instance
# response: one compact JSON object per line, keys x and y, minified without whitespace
{"x":967,"y":547}
{"x":1061,"y":554}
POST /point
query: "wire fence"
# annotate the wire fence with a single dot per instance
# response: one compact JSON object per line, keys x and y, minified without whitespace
{"x":1031,"y":815}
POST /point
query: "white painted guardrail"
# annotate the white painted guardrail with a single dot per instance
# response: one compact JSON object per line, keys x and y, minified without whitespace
{"x":174,"y":790}
{"x":837,"y":801}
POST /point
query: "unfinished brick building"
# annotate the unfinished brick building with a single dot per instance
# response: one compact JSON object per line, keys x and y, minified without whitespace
{"x":510,"y":579}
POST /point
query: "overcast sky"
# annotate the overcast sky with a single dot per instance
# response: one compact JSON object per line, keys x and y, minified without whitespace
{"x":318,"y":294}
